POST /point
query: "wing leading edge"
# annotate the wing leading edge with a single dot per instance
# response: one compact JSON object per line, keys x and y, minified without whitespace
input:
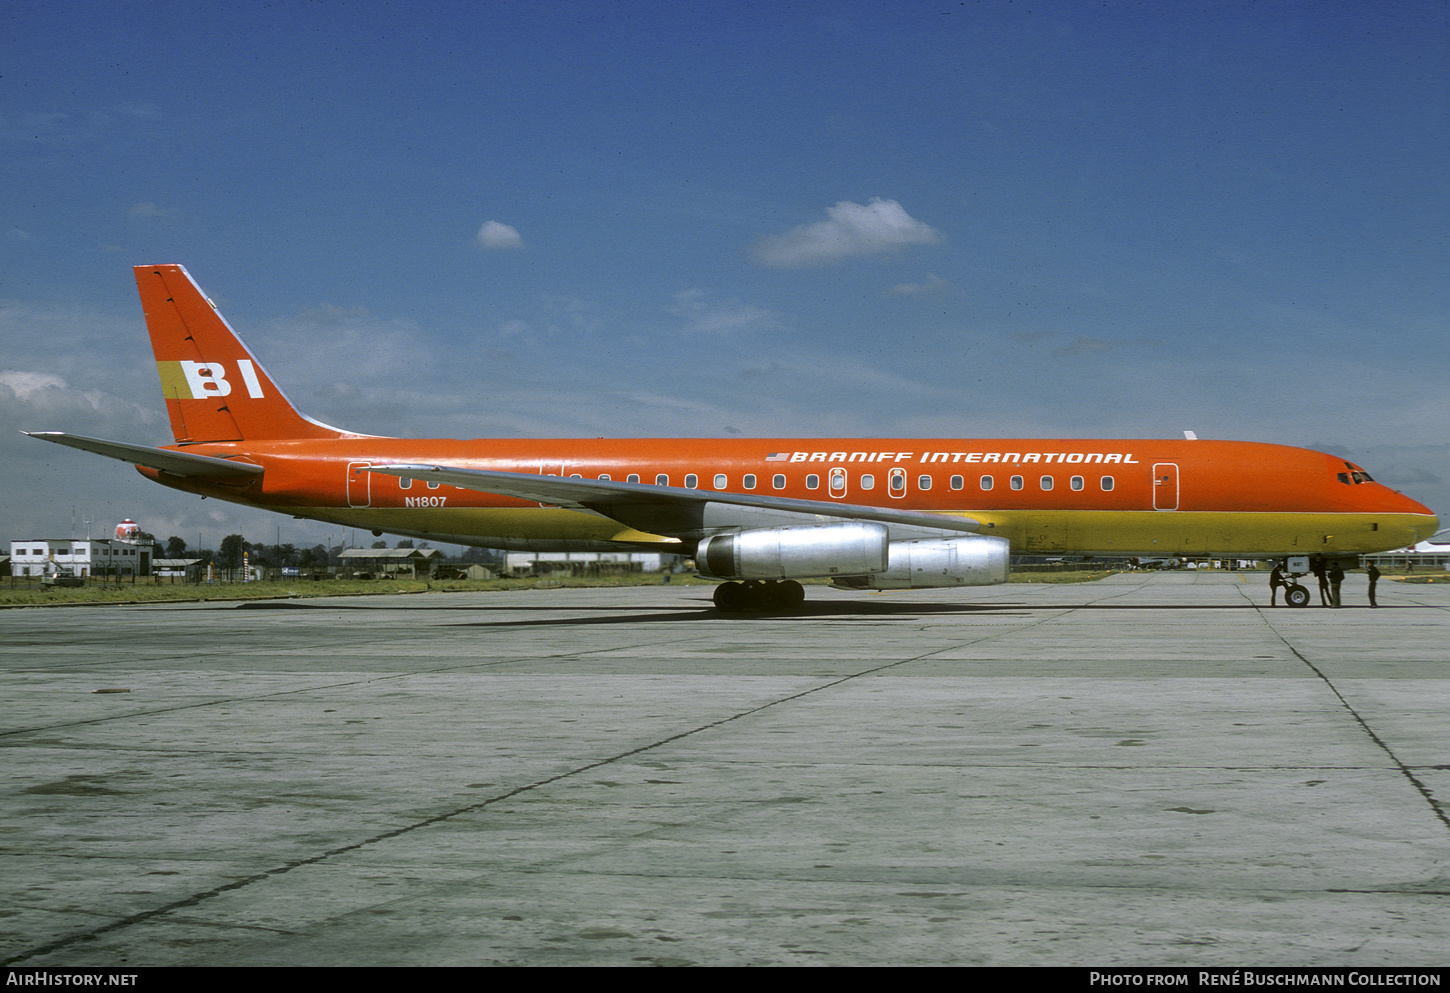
{"x":671,"y":510}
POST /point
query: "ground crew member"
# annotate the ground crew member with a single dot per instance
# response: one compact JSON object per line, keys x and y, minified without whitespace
{"x":1276,"y":579}
{"x":1316,"y":566}
{"x":1336,"y":576}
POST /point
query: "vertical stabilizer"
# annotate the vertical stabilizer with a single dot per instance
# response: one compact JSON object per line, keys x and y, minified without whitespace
{"x":215,"y":390}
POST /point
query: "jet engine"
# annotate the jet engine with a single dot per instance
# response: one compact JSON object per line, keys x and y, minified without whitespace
{"x":971,"y":560}
{"x":849,"y":549}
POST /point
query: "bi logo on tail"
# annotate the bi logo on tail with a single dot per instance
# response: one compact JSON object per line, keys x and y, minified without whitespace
{"x":188,"y":380}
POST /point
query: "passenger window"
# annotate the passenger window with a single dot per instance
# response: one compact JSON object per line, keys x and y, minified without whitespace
{"x":604,"y":475}
{"x":987,"y":482}
{"x":1016,"y":482}
{"x":1076,"y":482}
{"x":923,"y":482}
{"x":749,"y":481}
{"x":868,"y":481}
{"x":691,"y":481}
{"x":778,"y":481}
{"x":405,"y":483}
{"x":633,"y":477}
{"x":1107,"y":483}
{"x":662,"y":480}
{"x":434,"y":486}
{"x":958,"y":482}
{"x":813,"y":482}
{"x":896,"y":482}
{"x":720,"y":481}
{"x":1045,"y":482}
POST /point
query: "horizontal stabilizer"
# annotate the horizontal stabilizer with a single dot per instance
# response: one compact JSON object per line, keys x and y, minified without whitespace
{"x":175,"y":463}
{"x":603,"y":496}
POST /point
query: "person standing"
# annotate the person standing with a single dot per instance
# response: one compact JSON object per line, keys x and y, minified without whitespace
{"x":1276,"y":579}
{"x":1374,"y":577}
{"x":1316,"y":566}
{"x":1336,"y":576}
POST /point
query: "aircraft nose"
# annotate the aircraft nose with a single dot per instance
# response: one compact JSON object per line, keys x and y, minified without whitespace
{"x":1428,"y":524}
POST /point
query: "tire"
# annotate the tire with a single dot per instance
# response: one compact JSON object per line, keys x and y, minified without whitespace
{"x":793,"y":594}
{"x":1297,"y":596}
{"x":731,"y":598}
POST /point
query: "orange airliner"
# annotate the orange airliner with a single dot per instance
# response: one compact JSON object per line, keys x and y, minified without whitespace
{"x":758,"y":514}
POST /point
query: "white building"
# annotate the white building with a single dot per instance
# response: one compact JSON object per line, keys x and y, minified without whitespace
{"x":1432,"y":553}
{"x":79,"y":557}
{"x":582,"y":561}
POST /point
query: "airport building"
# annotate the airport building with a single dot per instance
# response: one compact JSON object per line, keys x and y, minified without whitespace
{"x":179,"y":570}
{"x":1432,"y":553}
{"x":416,"y":563}
{"x":79,"y":557}
{"x":583,"y":563}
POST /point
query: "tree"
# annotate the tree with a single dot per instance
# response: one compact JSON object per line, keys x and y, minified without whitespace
{"x":230,"y":555}
{"x":175,"y":547}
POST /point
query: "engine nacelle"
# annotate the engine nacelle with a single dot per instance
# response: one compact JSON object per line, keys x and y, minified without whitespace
{"x":851,"y":549}
{"x":971,"y":560}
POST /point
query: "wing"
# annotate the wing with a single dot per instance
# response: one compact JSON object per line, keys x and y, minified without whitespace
{"x":675,"y":510}
{"x":175,"y":463}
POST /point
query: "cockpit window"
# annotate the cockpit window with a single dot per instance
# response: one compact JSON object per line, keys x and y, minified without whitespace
{"x":1357,"y":474}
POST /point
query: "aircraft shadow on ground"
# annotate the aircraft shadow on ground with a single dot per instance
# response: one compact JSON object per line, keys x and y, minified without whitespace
{"x":701,"y":609}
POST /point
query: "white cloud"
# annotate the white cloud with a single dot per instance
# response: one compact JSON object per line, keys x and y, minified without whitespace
{"x":494,"y":234}
{"x":933,"y":286}
{"x":27,"y":385}
{"x":851,"y":229}
{"x":702,"y":315}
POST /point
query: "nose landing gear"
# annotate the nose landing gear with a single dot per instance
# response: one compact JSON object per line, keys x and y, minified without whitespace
{"x":1296,"y":595}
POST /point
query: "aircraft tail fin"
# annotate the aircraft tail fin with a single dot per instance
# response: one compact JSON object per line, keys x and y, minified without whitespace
{"x":215,"y":390}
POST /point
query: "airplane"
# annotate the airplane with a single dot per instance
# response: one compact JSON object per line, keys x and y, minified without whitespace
{"x":756,"y":514}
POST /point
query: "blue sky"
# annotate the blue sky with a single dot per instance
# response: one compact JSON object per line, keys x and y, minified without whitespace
{"x":705,"y":219}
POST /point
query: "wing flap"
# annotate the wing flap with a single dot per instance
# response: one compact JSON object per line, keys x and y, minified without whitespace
{"x":164,"y":459}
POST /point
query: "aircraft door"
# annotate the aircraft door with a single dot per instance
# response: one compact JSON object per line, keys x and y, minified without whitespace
{"x":359,"y":484}
{"x":1165,"y":486}
{"x":837,"y":480}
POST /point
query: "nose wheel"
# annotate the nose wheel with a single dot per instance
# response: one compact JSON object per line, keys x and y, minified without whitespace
{"x":1297,"y":596}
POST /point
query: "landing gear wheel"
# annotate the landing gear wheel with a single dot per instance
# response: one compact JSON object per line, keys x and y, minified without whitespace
{"x":731,"y":598}
{"x":791,"y":594}
{"x":1297,"y":596}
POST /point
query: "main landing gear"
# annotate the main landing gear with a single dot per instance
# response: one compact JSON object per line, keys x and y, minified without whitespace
{"x":733,"y":598}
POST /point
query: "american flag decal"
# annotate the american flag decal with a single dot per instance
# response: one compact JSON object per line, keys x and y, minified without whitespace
{"x":778,"y":457}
